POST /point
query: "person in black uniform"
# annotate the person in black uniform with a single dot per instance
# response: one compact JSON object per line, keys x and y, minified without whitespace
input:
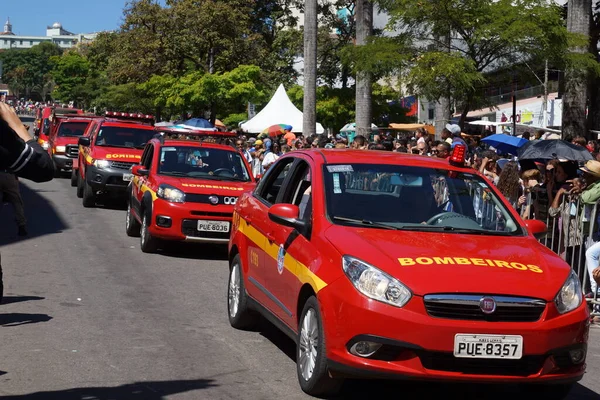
{"x":21,"y":155}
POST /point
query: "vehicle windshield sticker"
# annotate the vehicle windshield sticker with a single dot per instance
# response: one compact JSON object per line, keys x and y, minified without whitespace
{"x":340,"y":168}
{"x":169,"y":149}
{"x":280,"y":259}
{"x":484,"y":262}
{"x":337,"y":189}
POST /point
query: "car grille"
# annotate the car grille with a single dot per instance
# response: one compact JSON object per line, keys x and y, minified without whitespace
{"x":466,"y":307}
{"x":440,"y":361}
{"x":72,"y":151}
{"x":122,"y":165}
{"x":189,"y":228}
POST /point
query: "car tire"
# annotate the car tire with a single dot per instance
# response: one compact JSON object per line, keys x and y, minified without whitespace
{"x":74,"y":175}
{"x":548,"y":391}
{"x":89,"y":197}
{"x":148,"y":244}
{"x":240,"y":316}
{"x":132,"y":226}
{"x":311,"y":349}
{"x":79,"y":186}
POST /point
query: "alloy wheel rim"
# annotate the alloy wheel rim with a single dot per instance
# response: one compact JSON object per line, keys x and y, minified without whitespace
{"x":128,"y":216}
{"x":234,"y":291}
{"x":144,"y":229}
{"x":307,"y":347}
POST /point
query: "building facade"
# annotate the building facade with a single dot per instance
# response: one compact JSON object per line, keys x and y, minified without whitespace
{"x":54,"y":34}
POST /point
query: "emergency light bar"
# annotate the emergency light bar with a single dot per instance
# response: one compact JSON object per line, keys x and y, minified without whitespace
{"x":199,"y":133}
{"x":458,"y":155}
{"x":131,"y":116}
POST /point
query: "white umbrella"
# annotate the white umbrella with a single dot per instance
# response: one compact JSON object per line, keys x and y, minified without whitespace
{"x":351,"y":127}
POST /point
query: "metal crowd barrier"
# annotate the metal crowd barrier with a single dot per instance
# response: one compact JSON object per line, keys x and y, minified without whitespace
{"x":569,"y":237}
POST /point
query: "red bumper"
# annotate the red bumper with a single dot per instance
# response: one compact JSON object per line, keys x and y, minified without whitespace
{"x":418,"y":346}
{"x":184,"y":219}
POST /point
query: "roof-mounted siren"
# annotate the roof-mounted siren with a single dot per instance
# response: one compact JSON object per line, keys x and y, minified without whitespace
{"x":145,"y":118}
{"x":458,"y":156}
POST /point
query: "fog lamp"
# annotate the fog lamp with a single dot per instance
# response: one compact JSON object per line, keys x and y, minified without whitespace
{"x":364,"y":348}
{"x":163,"y":222}
{"x":577,"y":355}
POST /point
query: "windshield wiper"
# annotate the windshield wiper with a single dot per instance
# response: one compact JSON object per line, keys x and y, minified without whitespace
{"x":364,"y":222}
{"x":174,"y":173}
{"x":115,"y":145}
{"x":441,"y":228}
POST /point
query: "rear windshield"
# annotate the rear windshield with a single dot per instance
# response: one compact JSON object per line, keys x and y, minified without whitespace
{"x":113,"y":136}
{"x":72,"y":129}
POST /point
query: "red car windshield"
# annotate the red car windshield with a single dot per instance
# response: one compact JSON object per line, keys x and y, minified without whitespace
{"x":72,"y":129}
{"x":114,"y":136}
{"x":202,"y":163}
{"x":415,"y":198}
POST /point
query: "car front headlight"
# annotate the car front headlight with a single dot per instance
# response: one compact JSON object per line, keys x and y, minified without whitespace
{"x":170,"y":193}
{"x":101,"y":164}
{"x":61,"y":149}
{"x":570,"y":295}
{"x":375,"y":283}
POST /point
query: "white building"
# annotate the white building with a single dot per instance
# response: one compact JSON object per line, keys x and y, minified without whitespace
{"x":54,"y":34}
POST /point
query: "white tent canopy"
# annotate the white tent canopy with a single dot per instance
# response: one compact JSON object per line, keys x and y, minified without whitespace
{"x":280,"y":110}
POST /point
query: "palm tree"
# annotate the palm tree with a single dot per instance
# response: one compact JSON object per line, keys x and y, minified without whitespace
{"x":364,"y":79}
{"x":310,"y":68}
{"x":576,"y":89}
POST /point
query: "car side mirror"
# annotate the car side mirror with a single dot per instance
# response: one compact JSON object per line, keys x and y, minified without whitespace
{"x":139,"y":170}
{"x":536,"y":227}
{"x":287,"y":215}
{"x":84,"y":141}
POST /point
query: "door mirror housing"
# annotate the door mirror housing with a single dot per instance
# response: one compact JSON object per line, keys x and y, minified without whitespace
{"x":536,"y":227}
{"x":287,"y":215}
{"x":139,"y":170}
{"x":84,"y":141}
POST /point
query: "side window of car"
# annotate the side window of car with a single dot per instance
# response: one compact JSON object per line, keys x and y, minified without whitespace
{"x":299,"y":190}
{"x":145,"y":154}
{"x":147,"y":162}
{"x":270,"y":186}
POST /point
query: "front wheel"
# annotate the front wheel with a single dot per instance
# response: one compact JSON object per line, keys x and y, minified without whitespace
{"x":240,"y":316}
{"x":79,"y":186}
{"x":311,"y":359}
{"x":74,"y":177}
{"x":132,"y":226}
{"x":148,"y":244}
{"x":89,"y":196}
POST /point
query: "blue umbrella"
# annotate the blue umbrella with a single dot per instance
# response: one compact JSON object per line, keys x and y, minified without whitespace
{"x":505,"y":143}
{"x":196,"y":123}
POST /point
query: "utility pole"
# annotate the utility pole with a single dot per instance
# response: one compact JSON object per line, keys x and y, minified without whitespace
{"x":364,"y":79}
{"x":309,"y":122}
{"x":545,"y":105}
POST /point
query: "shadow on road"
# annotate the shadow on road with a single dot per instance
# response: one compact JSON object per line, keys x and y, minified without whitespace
{"x":20,"y":299}
{"x":43,"y":218}
{"x":362,"y":389}
{"x":16,"y":319}
{"x":195,"y":251}
{"x":139,"y":390}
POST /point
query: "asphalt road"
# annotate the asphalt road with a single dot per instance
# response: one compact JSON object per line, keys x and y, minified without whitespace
{"x":89,"y":316}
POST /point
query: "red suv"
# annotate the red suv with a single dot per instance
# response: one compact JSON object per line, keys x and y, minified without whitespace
{"x":185,"y":190}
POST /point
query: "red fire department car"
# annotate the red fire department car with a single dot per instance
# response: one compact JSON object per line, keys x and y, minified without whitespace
{"x":107,"y":151}
{"x":63,"y":144}
{"x":46,"y":117}
{"x":185,"y":189}
{"x":387,"y":265}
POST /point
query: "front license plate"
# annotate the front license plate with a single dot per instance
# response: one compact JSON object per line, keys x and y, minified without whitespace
{"x":127,"y":177}
{"x":213,"y":226}
{"x":488,"y":346}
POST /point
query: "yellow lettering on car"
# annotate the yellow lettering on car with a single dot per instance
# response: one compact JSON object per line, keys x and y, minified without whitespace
{"x":484,"y":262}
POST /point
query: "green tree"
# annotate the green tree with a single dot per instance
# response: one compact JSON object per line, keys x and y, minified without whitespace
{"x":70,"y":72}
{"x":486,"y":35}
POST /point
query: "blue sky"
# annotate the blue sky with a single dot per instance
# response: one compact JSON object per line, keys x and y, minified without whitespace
{"x":31,"y":17}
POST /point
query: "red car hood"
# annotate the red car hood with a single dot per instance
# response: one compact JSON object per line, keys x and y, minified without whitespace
{"x":456,"y":263}
{"x":65,"y":140}
{"x":117,"y":154}
{"x":206,"y":186}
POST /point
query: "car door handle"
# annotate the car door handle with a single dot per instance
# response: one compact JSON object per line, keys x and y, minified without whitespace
{"x":270,"y":237}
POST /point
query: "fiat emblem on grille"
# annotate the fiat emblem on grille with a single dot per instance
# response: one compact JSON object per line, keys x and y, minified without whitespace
{"x":487,"y":305}
{"x":213,"y":199}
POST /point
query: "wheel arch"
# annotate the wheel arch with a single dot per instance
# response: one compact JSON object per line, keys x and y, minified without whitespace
{"x":306,"y":292}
